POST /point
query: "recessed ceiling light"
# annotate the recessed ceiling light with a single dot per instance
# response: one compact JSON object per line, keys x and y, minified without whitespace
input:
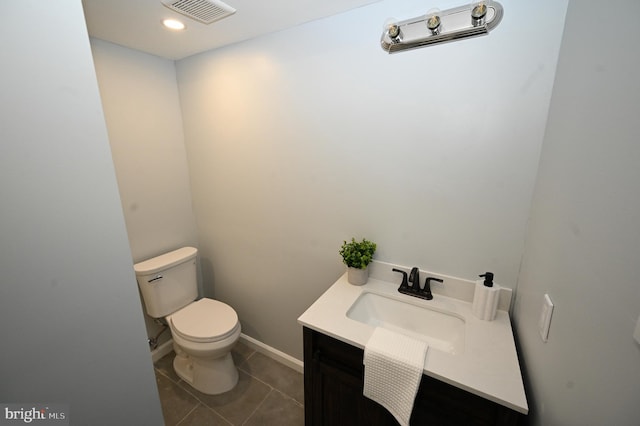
{"x":173,"y":24}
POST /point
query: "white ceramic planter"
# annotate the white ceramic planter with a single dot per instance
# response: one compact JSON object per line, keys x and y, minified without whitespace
{"x":357,"y":276}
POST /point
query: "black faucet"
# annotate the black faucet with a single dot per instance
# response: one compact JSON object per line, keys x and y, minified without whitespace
{"x":414,"y":289}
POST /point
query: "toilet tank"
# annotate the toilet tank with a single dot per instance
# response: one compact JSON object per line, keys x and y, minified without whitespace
{"x":168,"y":282}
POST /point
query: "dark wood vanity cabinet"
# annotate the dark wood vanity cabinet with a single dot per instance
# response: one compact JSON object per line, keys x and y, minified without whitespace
{"x":333,"y":383}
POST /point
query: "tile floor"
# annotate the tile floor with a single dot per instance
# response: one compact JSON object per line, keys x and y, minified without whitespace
{"x":267,"y":393}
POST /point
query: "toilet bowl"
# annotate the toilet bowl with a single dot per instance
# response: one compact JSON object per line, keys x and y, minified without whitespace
{"x":204,"y":332}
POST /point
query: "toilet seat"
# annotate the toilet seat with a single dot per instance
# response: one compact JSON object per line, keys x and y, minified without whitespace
{"x":205,"y":321}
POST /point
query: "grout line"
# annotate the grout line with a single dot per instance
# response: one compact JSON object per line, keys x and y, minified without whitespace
{"x":269,"y":384}
{"x":253,"y":352}
{"x":258,"y":406}
{"x":287,"y":396}
{"x":189,"y":389}
{"x":219,"y":415}
{"x":165,"y":375}
{"x":261,"y":381}
{"x":187,"y":415}
{"x":244,"y":359}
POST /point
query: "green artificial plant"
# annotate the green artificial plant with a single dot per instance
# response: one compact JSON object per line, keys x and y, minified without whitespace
{"x":357,"y":254}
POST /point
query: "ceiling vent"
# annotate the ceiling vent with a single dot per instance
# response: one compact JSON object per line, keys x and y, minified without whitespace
{"x":205,"y":11}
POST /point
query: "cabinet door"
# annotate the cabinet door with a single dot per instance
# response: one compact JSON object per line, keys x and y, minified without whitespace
{"x":334,"y":377}
{"x":340,"y":400}
{"x":333,"y":386}
{"x":438,"y":403}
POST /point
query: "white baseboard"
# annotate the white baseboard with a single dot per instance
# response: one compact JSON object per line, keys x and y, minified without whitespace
{"x":254,"y":344}
{"x":162,"y":350}
{"x":273,"y":353}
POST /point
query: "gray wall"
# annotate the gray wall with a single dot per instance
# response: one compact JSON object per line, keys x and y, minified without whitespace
{"x":584,"y":239}
{"x":72,"y":324}
{"x":306,"y":137}
{"x":140,"y":100}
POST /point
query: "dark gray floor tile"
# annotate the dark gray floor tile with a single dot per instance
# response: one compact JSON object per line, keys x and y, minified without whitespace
{"x":279,"y":376}
{"x":183,"y":405}
{"x":237,"y":404}
{"x":277,"y":410}
{"x":204,"y":416}
{"x":240,"y":353}
{"x":176,"y":402}
{"x":165,"y":366}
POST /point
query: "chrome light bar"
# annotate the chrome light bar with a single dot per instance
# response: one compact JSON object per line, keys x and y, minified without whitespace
{"x":475,"y":19}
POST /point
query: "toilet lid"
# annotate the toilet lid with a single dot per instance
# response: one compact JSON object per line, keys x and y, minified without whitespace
{"x":206,"y":320}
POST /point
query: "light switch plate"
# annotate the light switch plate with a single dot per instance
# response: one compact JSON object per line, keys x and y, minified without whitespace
{"x":636,"y":334}
{"x":545,"y":318}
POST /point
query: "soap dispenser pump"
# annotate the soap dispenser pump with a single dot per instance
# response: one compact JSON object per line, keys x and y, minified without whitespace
{"x":488,"y":279}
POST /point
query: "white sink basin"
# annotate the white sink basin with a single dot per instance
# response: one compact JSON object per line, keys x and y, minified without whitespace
{"x":439,"y":329}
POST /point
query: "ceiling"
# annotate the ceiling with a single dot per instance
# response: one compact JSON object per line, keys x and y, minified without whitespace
{"x":137,"y":23}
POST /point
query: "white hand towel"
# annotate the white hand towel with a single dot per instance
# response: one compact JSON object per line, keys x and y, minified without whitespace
{"x":393,"y":369}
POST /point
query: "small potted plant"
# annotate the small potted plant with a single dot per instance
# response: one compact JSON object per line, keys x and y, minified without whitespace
{"x":357,"y":256}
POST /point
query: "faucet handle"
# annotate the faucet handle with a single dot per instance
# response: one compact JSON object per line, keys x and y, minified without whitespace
{"x":433,"y":279}
{"x":404,"y":278}
{"x":427,"y":287}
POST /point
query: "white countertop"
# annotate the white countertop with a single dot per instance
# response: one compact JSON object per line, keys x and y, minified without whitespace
{"x":488,"y":366}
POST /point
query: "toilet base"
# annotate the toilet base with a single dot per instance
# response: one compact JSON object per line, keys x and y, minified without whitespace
{"x":211,"y":376}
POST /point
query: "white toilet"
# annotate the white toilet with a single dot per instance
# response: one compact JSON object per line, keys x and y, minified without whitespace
{"x":204,"y":331}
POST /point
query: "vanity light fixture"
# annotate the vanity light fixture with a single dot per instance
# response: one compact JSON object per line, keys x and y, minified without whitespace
{"x":173,"y":24}
{"x":471,"y":20}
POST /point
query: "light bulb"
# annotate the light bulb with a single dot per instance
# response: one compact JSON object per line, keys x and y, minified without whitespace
{"x":433,"y":21}
{"x":479,"y":12}
{"x":392,"y":29}
{"x":173,"y":24}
